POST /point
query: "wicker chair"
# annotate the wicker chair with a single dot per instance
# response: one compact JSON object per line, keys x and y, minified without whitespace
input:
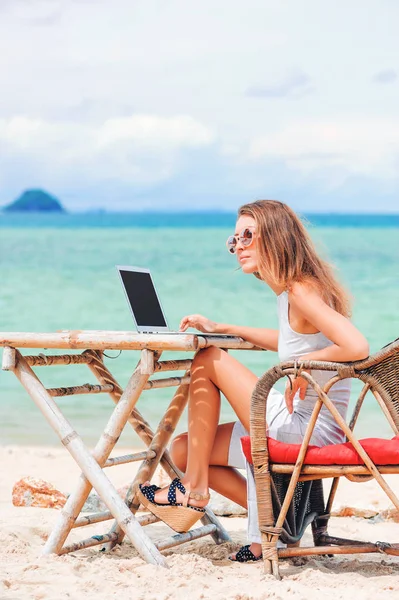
{"x":290,"y":496}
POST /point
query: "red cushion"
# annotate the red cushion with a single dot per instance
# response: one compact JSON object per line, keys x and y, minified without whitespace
{"x":381,"y":452}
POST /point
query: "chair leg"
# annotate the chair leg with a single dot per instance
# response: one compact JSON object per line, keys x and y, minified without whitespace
{"x":319,"y":525}
{"x":319,"y":530}
{"x":270,"y":553}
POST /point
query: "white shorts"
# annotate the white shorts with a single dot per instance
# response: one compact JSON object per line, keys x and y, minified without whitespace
{"x":282,"y":426}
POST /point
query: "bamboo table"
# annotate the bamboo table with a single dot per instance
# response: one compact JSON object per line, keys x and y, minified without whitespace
{"x":92,"y":464}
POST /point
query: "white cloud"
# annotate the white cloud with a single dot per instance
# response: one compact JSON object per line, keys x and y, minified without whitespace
{"x":89,"y":80}
{"x":157,"y":133}
{"x":363,"y":146}
{"x":139,"y":149}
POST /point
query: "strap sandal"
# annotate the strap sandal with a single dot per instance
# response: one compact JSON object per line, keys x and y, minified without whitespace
{"x":245,"y":555}
{"x":149,"y":490}
{"x":179,"y":516}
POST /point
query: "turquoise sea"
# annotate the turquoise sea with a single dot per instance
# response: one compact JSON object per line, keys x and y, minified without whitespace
{"x":58,"y":272}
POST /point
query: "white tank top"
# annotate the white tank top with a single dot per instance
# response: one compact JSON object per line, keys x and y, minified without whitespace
{"x":293,"y":345}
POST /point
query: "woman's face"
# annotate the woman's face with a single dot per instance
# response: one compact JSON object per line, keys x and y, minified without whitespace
{"x":246,"y":255}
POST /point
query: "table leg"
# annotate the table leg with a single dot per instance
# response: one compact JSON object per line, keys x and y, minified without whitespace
{"x":158,"y":445}
{"x":144,"y":431}
{"x":90,"y":467}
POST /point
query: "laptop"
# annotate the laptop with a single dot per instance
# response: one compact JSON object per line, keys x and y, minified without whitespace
{"x":143,"y":299}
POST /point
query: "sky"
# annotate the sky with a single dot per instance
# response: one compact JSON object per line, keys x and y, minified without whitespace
{"x":198,"y":105}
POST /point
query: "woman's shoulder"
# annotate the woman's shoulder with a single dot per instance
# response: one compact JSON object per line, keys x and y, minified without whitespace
{"x":301,"y":290}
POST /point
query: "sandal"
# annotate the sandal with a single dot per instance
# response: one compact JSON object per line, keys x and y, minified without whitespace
{"x":245,"y":555}
{"x":179,"y":516}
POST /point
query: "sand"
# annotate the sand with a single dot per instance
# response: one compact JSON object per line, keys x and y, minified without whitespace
{"x":197,"y":570}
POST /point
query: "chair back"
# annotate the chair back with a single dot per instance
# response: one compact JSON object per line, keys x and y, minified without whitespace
{"x":381,"y":371}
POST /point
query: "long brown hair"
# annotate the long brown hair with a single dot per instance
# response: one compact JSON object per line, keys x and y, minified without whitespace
{"x":286,"y":253}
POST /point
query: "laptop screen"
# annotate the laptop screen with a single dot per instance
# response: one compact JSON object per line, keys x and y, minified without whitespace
{"x":143,"y":299}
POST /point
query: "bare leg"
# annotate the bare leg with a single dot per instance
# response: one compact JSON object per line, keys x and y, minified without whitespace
{"x":213,"y":371}
{"x":223,"y":479}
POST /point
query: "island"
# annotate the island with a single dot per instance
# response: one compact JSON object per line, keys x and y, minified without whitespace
{"x":35,"y":201}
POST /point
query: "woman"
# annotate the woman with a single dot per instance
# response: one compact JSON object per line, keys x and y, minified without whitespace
{"x":270,"y":242}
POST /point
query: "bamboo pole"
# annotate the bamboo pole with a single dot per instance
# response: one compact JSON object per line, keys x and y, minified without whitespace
{"x":147,"y":519}
{"x":66,"y":521}
{"x":99,"y":517}
{"x":101,"y":452}
{"x":128,"y":458}
{"x":182,"y":538}
{"x":353,"y":421}
{"x":9,"y":359}
{"x":88,"y":464}
{"x":95,"y":540}
{"x":136,"y":420}
{"x":145,"y":433}
{"x":86,"y":388}
{"x":49,"y":360}
{"x":158,"y":444}
{"x":173,"y":365}
{"x":167,"y":382}
{"x":120,"y":340}
{"x":385,"y":548}
{"x":224,"y":341}
{"x":329,"y":471}
{"x":147,"y":362}
{"x":170,"y":542}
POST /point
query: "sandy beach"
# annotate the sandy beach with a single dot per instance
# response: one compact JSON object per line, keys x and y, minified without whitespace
{"x":199,"y":569}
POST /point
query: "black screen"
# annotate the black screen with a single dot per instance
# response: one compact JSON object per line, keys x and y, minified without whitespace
{"x":143,"y":299}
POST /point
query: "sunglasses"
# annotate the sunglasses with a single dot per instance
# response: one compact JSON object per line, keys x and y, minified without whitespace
{"x":246,"y":237}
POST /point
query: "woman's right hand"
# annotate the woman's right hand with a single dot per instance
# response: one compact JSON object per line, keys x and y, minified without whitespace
{"x":198,"y":322}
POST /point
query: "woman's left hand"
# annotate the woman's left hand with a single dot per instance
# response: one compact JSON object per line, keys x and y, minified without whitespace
{"x":298,"y":384}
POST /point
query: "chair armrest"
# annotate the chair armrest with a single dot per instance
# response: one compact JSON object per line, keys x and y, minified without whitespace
{"x":261,"y":392}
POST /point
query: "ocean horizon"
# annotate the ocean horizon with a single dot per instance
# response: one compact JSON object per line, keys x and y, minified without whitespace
{"x":58,"y":272}
{"x":177,"y":218}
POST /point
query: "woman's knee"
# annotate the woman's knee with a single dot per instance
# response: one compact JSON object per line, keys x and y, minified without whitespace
{"x":178,"y":451}
{"x":207,"y":357}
